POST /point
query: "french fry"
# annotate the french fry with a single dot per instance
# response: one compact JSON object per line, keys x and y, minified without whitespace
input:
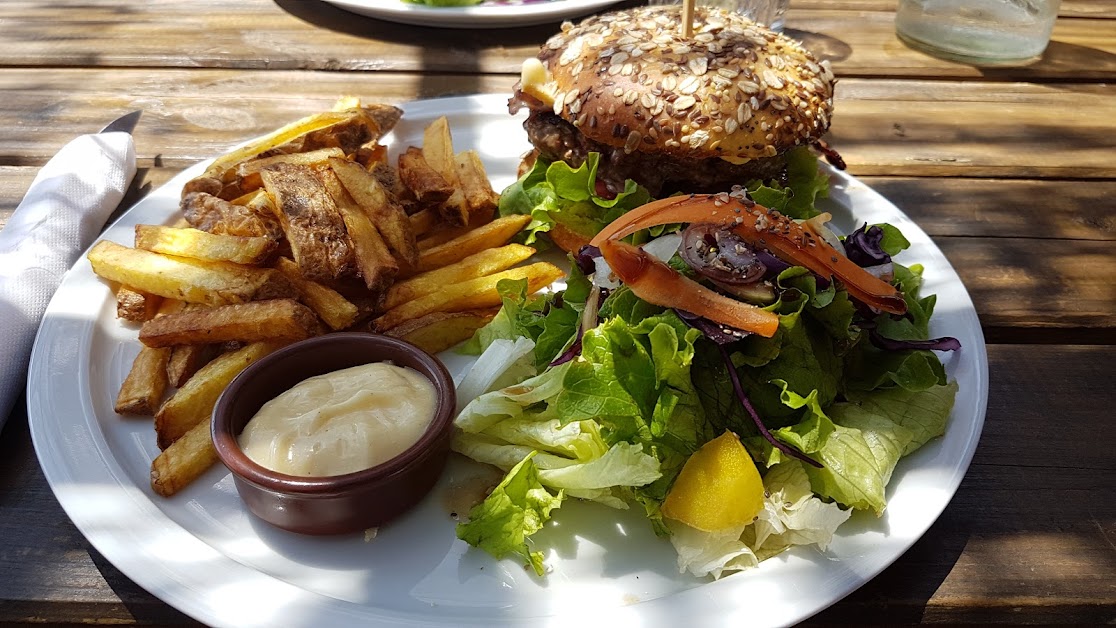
{"x":390,"y":179}
{"x":441,"y":236}
{"x":476,"y":265}
{"x":376,"y":263}
{"x":310,"y":218}
{"x":277,"y":319}
{"x":480,"y":198}
{"x":185,"y":360}
{"x":364,"y":126}
{"x":203,"y":245}
{"x":214,"y":215}
{"x":469,"y":295}
{"x":194,"y":281}
{"x":437,"y":332}
{"x":337,"y":311}
{"x":488,"y":236}
{"x":427,"y":184}
{"x":275,"y":139}
{"x":437,"y":147}
{"x":248,"y":197}
{"x":423,"y":222}
{"x":249,"y":171}
{"x":371,"y":154}
{"x":193,"y":403}
{"x":183,"y":461}
{"x":390,"y":219}
{"x":133,"y":305}
{"x":145,"y":384}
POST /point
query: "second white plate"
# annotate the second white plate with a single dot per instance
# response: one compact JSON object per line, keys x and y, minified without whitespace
{"x":487,"y":14}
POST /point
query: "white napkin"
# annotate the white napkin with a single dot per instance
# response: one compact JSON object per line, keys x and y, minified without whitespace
{"x":62,"y":212}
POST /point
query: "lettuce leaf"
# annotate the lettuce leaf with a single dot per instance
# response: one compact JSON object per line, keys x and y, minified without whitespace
{"x":858,"y":451}
{"x":805,"y":184}
{"x":615,"y":424}
{"x":553,"y":192}
{"x":517,"y":508}
{"x":792,"y":515}
{"x":924,"y":413}
{"x":550,"y":320}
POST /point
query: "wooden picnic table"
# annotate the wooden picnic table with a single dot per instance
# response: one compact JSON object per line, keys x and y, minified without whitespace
{"x":1012,"y":171}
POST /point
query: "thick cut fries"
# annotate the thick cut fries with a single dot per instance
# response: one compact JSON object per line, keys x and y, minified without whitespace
{"x":423,"y":222}
{"x":214,"y":215}
{"x":277,"y":319}
{"x":337,"y":311}
{"x":442,"y":235}
{"x":202,"y":245}
{"x":469,"y":295}
{"x":185,"y":360}
{"x":194,"y":281}
{"x":135,"y":306}
{"x":184,"y":461}
{"x":310,"y":218}
{"x":389,"y":218}
{"x":194,"y":402}
{"x":427,"y":184}
{"x":494,"y":234}
{"x":249,"y":171}
{"x":376,"y":264}
{"x":477,"y":265}
{"x":437,"y":148}
{"x":440,"y":331}
{"x":353,"y":126}
{"x":480,"y":198}
{"x":145,"y":384}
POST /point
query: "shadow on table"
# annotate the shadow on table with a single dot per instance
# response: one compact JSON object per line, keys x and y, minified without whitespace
{"x":1080,"y":62}
{"x":826,"y":47}
{"x":899,"y":595}
{"x":443,"y":50}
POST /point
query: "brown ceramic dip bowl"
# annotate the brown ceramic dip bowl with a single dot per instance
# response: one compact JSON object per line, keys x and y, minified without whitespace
{"x":341,"y":503}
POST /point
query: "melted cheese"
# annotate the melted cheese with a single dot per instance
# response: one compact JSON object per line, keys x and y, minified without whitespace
{"x":535,"y":80}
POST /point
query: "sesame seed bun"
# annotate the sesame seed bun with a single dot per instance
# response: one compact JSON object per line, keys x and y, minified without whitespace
{"x":735,"y":90}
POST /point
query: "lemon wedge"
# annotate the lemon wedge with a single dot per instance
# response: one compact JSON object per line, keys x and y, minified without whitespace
{"x":719,"y":487}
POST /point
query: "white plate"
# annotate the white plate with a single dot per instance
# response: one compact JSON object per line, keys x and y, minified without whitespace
{"x":488,"y":14}
{"x":204,"y":554}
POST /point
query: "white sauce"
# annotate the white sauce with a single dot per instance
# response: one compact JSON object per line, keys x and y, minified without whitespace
{"x":341,"y":422}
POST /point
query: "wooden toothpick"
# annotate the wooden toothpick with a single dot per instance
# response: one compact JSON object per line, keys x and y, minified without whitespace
{"x":687,"y":18}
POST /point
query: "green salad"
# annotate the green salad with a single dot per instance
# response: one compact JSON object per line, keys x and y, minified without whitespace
{"x":609,"y":391}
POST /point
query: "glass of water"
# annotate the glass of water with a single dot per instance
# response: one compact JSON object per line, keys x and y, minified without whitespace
{"x":770,"y":13}
{"x":978,"y":31}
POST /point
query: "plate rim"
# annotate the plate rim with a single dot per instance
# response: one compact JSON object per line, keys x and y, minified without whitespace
{"x":182,"y":587}
{"x":472,"y":16}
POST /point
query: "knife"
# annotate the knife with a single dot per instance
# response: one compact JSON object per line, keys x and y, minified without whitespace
{"x":124,"y":124}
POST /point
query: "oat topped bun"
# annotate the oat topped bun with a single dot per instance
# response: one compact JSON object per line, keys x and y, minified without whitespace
{"x":715,"y":109}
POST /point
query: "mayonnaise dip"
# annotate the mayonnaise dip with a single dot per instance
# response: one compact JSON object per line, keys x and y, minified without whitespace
{"x":341,"y":422}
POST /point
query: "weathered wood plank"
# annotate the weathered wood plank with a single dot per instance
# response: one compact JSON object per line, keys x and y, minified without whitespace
{"x":974,"y":130}
{"x":1021,"y":285}
{"x":1068,"y":8}
{"x":905,"y":128}
{"x":1027,"y":539}
{"x":261,"y":34}
{"x":994,"y":208}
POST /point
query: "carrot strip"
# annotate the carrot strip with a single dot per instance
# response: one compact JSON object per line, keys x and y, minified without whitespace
{"x":764,"y":228}
{"x":659,"y":284}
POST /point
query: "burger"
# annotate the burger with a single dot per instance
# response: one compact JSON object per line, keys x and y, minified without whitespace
{"x":629,"y":96}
